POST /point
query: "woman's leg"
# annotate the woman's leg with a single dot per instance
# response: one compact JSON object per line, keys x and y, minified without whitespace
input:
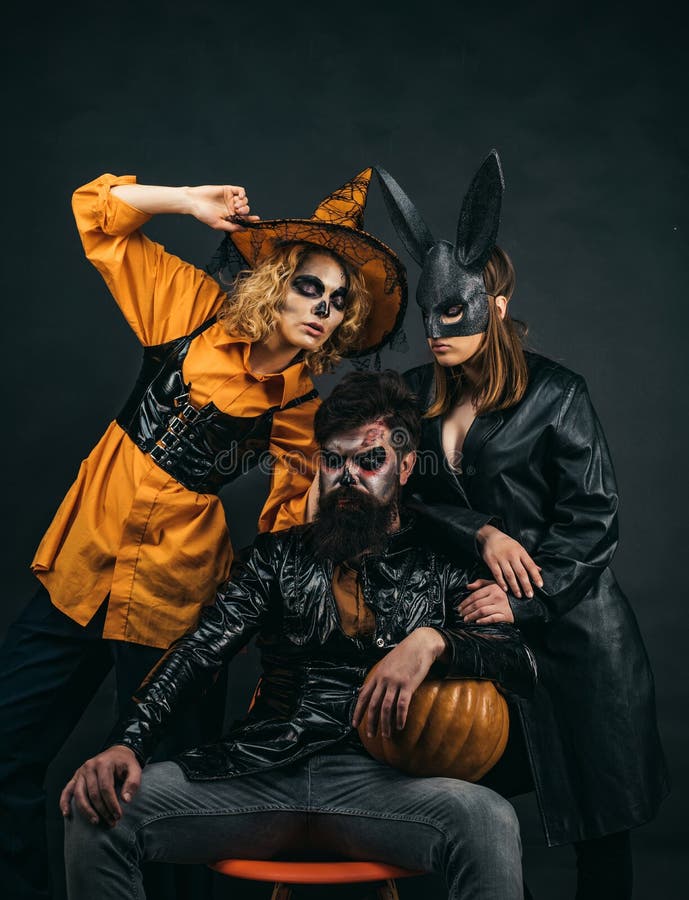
{"x":50,"y":668}
{"x":200,"y":723}
{"x":604,"y":868}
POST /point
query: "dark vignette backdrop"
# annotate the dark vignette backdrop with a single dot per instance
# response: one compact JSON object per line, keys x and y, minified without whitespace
{"x":586,"y":106}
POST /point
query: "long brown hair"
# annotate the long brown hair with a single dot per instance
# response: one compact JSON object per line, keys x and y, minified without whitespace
{"x":258,"y":295}
{"x":500,"y":360}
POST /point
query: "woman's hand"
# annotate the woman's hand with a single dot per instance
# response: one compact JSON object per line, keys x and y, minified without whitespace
{"x":93,"y":785}
{"x":510,"y":564}
{"x":388,"y":692}
{"x":217,"y":204}
{"x":221,"y":206}
{"x":312,"y":498}
{"x":487,"y":603}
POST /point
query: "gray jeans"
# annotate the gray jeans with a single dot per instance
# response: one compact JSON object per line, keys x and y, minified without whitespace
{"x":340,"y":802}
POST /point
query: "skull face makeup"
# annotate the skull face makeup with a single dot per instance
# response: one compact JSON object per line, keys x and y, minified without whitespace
{"x":360,"y":479}
{"x":451,"y":280}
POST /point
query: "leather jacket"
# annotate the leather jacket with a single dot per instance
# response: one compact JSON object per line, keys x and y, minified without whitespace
{"x":541,"y":471}
{"x":311,"y":670}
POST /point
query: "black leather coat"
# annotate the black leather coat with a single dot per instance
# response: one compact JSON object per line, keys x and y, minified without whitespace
{"x":541,"y":471}
{"x":311,"y":670}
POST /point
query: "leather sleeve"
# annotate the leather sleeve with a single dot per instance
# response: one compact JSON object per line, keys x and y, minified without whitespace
{"x":454,"y":528}
{"x":191,"y":663}
{"x":492,"y":652}
{"x":582,"y":536}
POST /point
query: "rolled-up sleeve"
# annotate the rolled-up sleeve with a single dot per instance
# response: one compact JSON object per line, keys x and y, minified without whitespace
{"x":294,"y":454}
{"x":161,"y":296}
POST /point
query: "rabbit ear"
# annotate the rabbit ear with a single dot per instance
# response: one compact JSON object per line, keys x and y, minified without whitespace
{"x":479,"y":217}
{"x":406,"y":218}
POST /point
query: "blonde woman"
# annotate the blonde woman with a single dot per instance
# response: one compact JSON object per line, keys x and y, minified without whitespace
{"x":140,"y":542}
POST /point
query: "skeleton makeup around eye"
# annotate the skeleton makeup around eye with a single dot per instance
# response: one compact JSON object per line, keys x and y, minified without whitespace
{"x":372,"y":460}
{"x":312,"y":287}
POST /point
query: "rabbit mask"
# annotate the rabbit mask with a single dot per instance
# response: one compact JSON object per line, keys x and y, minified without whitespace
{"x":451,"y":276}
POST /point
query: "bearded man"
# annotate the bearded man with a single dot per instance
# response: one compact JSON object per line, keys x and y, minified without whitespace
{"x":326,"y":601}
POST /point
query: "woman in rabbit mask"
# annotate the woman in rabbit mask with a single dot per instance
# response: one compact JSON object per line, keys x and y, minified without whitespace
{"x":526,"y":483}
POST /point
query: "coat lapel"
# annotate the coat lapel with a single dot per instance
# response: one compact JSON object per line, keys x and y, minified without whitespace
{"x":482,"y":428}
{"x":451,"y":479}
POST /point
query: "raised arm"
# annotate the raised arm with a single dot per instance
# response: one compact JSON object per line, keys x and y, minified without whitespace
{"x":161,"y":296}
{"x":215,"y":205}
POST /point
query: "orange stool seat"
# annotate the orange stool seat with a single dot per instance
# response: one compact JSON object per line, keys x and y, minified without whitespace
{"x":310,"y":872}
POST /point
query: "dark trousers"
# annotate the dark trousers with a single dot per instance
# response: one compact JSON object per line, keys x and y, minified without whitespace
{"x":50,"y":669}
{"x":604,"y":868}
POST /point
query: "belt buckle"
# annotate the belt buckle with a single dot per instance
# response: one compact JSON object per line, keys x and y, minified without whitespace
{"x":176,"y":426}
{"x":167,"y":440}
{"x":158,"y":454}
{"x":190,"y":413}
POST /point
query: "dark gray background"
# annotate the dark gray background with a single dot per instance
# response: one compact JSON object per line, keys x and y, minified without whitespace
{"x":587,"y":107}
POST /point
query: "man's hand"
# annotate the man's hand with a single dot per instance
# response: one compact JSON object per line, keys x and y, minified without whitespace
{"x":510,"y":564}
{"x":485,"y":604}
{"x":93,"y":785}
{"x":388,"y":692}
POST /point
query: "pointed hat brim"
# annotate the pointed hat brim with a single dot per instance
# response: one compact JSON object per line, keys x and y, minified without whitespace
{"x":336,"y":226}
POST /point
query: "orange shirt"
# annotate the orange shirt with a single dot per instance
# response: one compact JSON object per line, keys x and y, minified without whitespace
{"x":356,"y":618}
{"x":126,"y":528}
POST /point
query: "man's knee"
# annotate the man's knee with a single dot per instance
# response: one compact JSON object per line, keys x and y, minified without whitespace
{"x":473,"y":813}
{"x":86,"y":843}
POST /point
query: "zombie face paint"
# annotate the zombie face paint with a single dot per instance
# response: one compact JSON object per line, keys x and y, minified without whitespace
{"x":363,"y":460}
{"x":360,"y":479}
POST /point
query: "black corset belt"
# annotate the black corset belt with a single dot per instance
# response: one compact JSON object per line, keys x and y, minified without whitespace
{"x":203,"y":449}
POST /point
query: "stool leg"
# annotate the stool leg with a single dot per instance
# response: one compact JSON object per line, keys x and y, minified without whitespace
{"x":387,"y":890}
{"x":281,"y":891}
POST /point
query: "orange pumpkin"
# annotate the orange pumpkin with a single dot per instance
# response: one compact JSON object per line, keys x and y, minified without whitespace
{"x":456,"y":728}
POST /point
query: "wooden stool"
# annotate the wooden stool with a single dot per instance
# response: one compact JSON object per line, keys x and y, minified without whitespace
{"x":283,"y":874}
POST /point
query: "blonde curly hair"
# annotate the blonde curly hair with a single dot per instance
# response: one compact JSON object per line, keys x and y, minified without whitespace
{"x":258,"y":295}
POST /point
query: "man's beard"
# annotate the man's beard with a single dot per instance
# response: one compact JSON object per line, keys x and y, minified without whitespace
{"x":349,"y":523}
